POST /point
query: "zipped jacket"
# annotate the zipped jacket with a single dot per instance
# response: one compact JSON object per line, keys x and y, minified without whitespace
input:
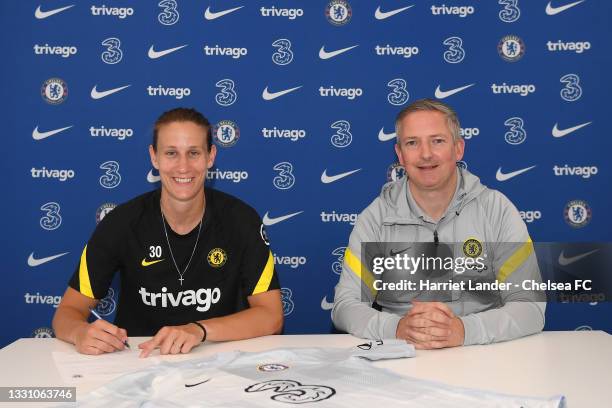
{"x":479,"y":223}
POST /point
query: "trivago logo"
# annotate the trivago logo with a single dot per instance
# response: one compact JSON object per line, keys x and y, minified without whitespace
{"x":39,"y":299}
{"x":64,"y":51}
{"x":338,"y":217}
{"x":61,"y":175}
{"x":203,"y":299}
{"x":291,"y":261}
{"x":235,"y":176}
{"x":119,"y":12}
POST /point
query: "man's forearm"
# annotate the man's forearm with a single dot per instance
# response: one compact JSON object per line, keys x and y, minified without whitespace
{"x":361,"y":320}
{"x":513,"y":320}
{"x":252,"y":322}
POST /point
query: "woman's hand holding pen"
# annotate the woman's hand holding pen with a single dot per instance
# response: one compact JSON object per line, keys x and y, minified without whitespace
{"x":100,"y":337}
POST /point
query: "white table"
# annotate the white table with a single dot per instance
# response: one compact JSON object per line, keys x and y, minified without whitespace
{"x":575,"y":364}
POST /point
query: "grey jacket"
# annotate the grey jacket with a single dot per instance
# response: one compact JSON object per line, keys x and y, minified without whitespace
{"x":393,"y":223}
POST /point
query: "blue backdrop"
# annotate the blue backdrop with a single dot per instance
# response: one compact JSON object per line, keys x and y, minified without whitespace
{"x":300,"y":91}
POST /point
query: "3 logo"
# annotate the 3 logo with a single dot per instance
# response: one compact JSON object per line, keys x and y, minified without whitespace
{"x":342,"y":137}
{"x":337,"y":264}
{"x":517,"y":134}
{"x":52,"y":218}
{"x":398,"y":95}
{"x":107,"y":304}
{"x":511,"y":12}
{"x":113,"y":53}
{"x":572,"y":90}
{"x":111,"y":178}
{"x":170,"y":14}
{"x":227,"y":95}
{"x":455,"y":52}
{"x":283,"y":55}
{"x":288,"y":304}
{"x":293,"y":392}
{"x":285,"y":178}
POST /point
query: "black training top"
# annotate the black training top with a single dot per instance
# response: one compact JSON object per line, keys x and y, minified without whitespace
{"x":231,"y":262}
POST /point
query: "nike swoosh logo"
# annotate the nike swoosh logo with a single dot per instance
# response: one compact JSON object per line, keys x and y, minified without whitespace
{"x":507,"y":176}
{"x":440,"y":94}
{"x":563,"y":261}
{"x":393,"y":253}
{"x":267,"y":221}
{"x":193,"y":385}
{"x":325,"y":305}
{"x":381,"y":15}
{"x":146,"y":263}
{"x":556,"y":132}
{"x":385,"y":137}
{"x":209,"y":15}
{"x":95,"y":94}
{"x":39,"y":14}
{"x":551,"y":11}
{"x":330,"y":179}
{"x":37,"y":135}
{"x":158,"y":54}
{"x":268,"y":96}
{"x":151,"y":178}
{"x":330,"y":54}
{"x":36,"y":262}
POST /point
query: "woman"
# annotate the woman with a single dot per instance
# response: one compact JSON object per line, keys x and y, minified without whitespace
{"x":194,"y":263}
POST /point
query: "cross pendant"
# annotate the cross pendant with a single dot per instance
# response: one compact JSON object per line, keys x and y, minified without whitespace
{"x":181,"y":280}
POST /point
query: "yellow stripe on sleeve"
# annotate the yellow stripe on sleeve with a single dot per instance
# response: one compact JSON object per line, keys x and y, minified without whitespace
{"x":360,"y":270}
{"x":266,"y":276}
{"x":84,"y":283}
{"x":515,"y":260}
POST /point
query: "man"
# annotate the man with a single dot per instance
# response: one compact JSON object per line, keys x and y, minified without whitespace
{"x":194,"y":263}
{"x":436,"y":203}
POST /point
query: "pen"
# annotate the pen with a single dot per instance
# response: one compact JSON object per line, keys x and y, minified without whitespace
{"x":93,"y":312}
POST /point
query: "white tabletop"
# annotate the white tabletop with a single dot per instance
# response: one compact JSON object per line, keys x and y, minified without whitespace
{"x":574,"y":364}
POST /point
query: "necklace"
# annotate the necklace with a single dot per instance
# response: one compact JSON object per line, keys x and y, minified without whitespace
{"x":170,"y":248}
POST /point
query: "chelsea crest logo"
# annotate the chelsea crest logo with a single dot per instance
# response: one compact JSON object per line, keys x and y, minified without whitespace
{"x":54,"y":91}
{"x":511,"y":48}
{"x":226,"y":133}
{"x":338,"y":12}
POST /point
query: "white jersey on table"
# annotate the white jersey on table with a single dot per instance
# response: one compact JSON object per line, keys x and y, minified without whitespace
{"x":302,"y":376}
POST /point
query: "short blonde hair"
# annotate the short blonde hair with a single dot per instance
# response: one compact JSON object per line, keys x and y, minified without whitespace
{"x":452,"y":121}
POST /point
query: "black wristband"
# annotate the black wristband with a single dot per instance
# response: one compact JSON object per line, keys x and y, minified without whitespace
{"x":203,"y":330}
